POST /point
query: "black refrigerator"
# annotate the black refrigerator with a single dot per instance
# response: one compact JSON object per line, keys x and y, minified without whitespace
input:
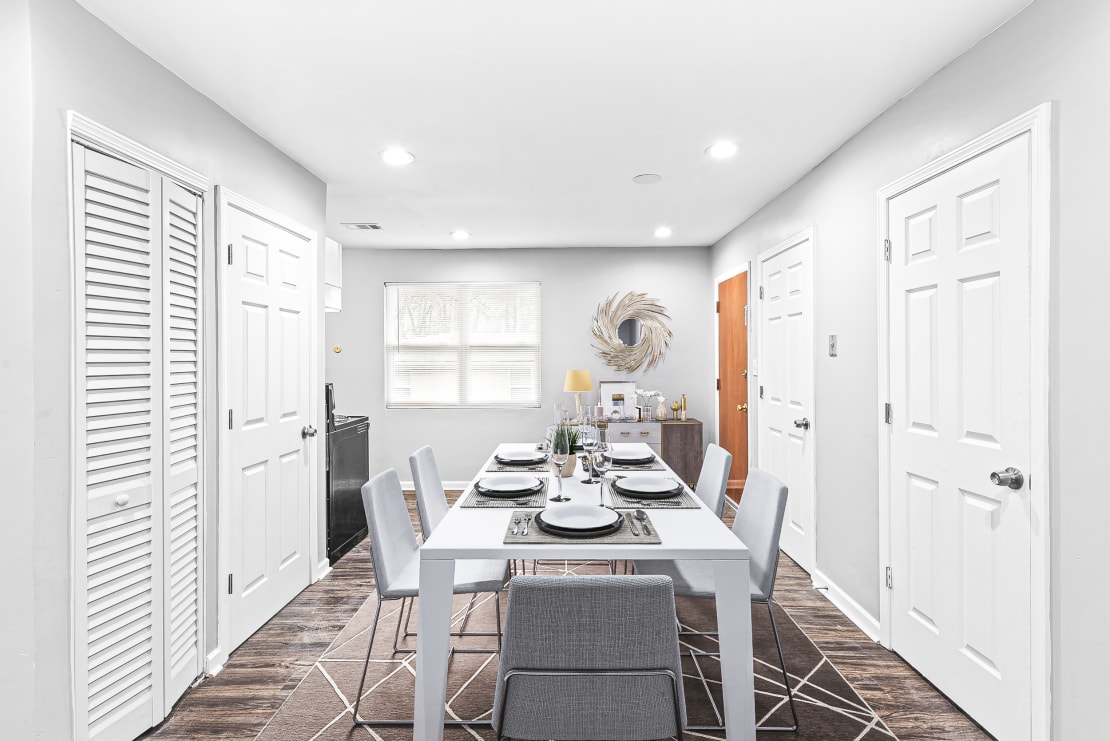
{"x":348,"y":468}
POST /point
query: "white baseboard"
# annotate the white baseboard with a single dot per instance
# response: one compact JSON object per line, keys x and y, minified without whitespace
{"x":322,"y":569}
{"x":214,"y":662}
{"x":851,"y":609}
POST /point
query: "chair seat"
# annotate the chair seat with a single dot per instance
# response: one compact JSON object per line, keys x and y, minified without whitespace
{"x":691,"y":578}
{"x":470,"y":576}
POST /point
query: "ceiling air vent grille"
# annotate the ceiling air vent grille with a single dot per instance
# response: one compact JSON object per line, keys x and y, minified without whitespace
{"x":362,"y":226}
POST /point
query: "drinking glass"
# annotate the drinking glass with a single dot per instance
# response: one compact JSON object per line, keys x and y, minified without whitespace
{"x":560,"y":454}
{"x":601,"y":462}
{"x":588,"y":439}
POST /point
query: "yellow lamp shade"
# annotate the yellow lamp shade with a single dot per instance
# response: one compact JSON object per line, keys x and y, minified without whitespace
{"x":578,"y":380}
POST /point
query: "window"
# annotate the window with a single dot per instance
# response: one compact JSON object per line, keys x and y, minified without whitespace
{"x":462,"y":344}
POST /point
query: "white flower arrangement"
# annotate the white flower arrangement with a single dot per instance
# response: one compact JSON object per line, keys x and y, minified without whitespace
{"x":648,"y":395}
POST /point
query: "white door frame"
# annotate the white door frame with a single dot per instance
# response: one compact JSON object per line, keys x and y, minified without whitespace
{"x":808,"y":234}
{"x":744,"y":267}
{"x":1036,"y":123}
{"x":225,"y":200}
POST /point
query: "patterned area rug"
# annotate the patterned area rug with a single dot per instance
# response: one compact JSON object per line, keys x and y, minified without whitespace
{"x":320,"y":708}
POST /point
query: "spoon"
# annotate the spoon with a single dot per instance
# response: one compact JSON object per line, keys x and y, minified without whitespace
{"x":642,"y":517}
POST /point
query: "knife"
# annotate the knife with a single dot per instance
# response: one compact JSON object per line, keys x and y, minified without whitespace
{"x":632,"y":524}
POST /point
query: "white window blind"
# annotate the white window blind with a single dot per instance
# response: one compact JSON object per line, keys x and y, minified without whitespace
{"x":462,"y":344}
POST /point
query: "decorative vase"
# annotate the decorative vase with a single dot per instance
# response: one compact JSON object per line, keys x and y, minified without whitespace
{"x":567,"y":469}
{"x":661,"y":409}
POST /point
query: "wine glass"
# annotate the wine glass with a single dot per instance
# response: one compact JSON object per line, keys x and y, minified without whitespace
{"x":601,"y":462}
{"x":560,"y":454}
{"x":588,"y":439}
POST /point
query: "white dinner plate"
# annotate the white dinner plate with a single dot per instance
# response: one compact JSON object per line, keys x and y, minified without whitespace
{"x":510,"y":482}
{"x":647,"y":484}
{"x":580,"y":516}
{"x":520,"y":457}
{"x":630,"y":459}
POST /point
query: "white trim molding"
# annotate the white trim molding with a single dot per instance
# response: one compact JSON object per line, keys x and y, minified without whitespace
{"x":852,"y":610}
{"x":1037,"y":123}
{"x":96,"y":136}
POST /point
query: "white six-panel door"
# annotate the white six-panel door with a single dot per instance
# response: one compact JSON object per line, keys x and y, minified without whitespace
{"x":786,"y":410}
{"x":959,"y":319}
{"x":266,"y":306}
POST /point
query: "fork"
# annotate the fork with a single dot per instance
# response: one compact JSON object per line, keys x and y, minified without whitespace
{"x":516,"y":526}
{"x":527,"y":519}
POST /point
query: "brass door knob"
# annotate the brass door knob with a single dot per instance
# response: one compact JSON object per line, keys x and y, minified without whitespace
{"x":744,"y":373}
{"x":742,"y":407}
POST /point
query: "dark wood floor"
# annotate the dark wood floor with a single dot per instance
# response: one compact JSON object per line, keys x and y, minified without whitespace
{"x":237,"y":703}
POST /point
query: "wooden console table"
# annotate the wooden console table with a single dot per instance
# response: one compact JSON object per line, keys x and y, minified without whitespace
{"x":678,"y":443}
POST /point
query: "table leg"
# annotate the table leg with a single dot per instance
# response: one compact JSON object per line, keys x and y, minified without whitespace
{"x":433,"y":644}
{"x":734,"y":623}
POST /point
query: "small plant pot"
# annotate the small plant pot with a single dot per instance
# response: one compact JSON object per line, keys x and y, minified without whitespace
{"x":567,"y":469}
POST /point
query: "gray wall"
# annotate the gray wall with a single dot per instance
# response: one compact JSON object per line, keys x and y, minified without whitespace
{"x":574,"y":282}
{"x":1057,"y":50}
{"x":78,"y":63}
{"x":17,"y":412}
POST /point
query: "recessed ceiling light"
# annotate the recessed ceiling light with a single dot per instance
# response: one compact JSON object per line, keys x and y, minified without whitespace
{"x":460,"y":234}
{"x":662,"y":232}
{"x":721,"y":150}
{"x":648,"y":178}
{"x":397,"y":157}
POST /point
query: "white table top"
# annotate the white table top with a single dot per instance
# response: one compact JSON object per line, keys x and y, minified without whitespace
{"x":479,"y":532}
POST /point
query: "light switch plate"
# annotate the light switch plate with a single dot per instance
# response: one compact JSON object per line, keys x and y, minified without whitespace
{"x":832,"y":346}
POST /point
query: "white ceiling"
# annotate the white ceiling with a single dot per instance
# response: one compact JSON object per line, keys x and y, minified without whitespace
{"x":529,"y":118}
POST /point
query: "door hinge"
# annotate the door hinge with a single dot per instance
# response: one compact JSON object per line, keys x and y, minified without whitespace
{"x":718,"y":384}
{"x":231,"y":582}
{"x":747,"y":316}
{"x":760,"y":392}
{"x":889,"y":578}
{"x":886,"y":250}
{"x":761,"y":293}
{"x":230,"y":418}
{"x":718,"y":307}
{"x":888,"y":413}
{"x":230,"y":248}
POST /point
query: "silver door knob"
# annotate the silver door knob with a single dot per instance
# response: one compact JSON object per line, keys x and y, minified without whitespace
{"x":1010,"y":477}
{"x":803,"y":423}
{"x":308,"y":431}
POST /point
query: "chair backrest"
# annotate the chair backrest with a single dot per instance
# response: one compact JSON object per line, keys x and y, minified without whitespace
{"x":759,"y":524}
{"x":590,"y":624}
{"x":713,"y":479}
{"x":392,"y":540}
{"x":431,"y":500}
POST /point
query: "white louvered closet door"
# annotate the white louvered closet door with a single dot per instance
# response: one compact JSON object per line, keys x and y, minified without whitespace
{"x":137,"y":427}
{"x":181,"y":405}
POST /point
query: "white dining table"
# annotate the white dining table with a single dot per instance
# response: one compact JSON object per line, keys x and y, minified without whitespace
{"x":470,"y":533}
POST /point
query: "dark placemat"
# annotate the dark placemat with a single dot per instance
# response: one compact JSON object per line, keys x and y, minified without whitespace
{"x":623,"y":536}
{"x":685,"y":500}
{"x":496,"y":467}
{"x":474,"y":500}
{"x":655,"y":465}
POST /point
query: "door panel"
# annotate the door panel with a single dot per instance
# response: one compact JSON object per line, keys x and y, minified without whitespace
{"x":268,"y":296}
{"x":786,"y":380}
{"x":732,"y":332}
{"x":959,"y":365}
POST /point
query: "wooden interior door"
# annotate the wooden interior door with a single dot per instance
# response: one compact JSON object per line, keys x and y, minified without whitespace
{"x":732,"y":353}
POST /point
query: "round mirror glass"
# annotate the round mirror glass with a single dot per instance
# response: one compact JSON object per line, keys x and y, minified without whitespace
{"x":629,"y":332}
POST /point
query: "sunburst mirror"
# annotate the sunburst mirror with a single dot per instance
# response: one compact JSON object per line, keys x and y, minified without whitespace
{"x":631,"y":332}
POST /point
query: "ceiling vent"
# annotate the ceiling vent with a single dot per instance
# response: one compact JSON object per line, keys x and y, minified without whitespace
{"x":362,"y":226}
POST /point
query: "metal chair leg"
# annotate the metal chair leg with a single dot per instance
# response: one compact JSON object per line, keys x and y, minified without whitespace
{"x":785,"y":678}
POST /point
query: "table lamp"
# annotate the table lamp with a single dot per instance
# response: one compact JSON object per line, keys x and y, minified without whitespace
{"x":578,"y":380}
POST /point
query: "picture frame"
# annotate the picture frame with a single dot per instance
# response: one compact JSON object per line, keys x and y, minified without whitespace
{"x":625,"y":391}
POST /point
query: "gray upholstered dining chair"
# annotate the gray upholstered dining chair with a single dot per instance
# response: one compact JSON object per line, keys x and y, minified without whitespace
{"x":589,"y":657}
{"x":758,"y":524}
{"x":713,"y":478}
{"x":431,"y":507}
{"x":395,"y":555}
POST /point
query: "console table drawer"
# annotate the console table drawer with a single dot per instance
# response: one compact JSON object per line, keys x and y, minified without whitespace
{"x":636,"y":432}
